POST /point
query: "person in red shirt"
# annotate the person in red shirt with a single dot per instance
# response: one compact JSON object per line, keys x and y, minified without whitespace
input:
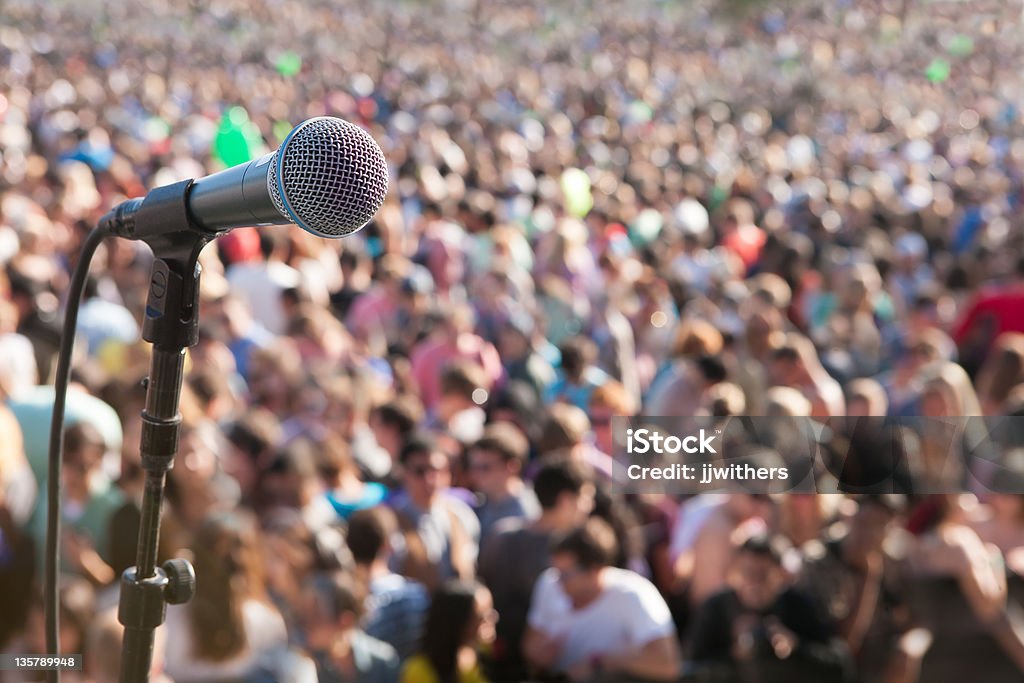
{"x":739,"y":233}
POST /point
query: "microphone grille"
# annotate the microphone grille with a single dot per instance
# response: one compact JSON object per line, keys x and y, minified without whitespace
{"x":332,"y":177}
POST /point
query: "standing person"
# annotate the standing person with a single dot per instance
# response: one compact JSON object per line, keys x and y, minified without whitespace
{"x":230,"y":625}
{"x":396,"y":607}
{"x":578,"y":376}
{"x":588,"y":619}
{"x":496,"y":462}
{"x":90,"y":502}
{"x":858,"y":583}
{"x":441,"y":532}
{"x":461,"y":619}
{"x":343,"y":652}
{"x":703,"y":530}
{"x":454,"y":339}
{"x":258,"y":272}
{"x":760,"y":623}
{"x":956,"y":588}
{"x":566,"y":495}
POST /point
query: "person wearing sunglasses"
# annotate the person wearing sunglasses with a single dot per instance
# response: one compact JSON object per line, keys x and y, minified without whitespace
{"x":496,"y":462}
{"x":441,"y":533}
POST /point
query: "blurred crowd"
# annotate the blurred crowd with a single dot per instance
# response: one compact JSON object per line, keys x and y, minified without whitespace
{"x":396,"y":460}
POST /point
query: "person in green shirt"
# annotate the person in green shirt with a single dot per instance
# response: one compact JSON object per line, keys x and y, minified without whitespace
{"x":88,"y":502}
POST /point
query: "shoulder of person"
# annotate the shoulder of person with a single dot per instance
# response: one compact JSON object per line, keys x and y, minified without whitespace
{"x":462,"y":511}
{"x":374,"y":647}
{"x":417,"y":669}
{"x":628,"y":582}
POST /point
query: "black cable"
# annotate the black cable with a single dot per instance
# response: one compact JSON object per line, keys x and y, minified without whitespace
{"x":60,"y":390}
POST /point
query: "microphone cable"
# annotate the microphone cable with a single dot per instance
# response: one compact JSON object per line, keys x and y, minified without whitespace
{"x":56,"y":447}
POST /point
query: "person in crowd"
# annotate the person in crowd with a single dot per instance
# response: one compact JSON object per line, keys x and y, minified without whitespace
{"x":343,"y":652}
{"x":396,"y":607}
{"x":566,"y":495}
{"x":496,"y":462}
{"x":89,"y":503}
{"x":522,"y":362}
{"x":859,"y":582}
{"x":702,"y":543}
{"x":464,"y":390}
{"x":459,"y":624}
{"x":394,"y":422}
{"x":589,"y":619}
{"x":951,"y":571}
{"x":347,"y":492}
{"x":608,"y":401}
{"x":453,"y":340}
{"x":578,"y":374}
{"x":759,"y":622}
{"x":230,"y":625}
{"x":441,"y":533}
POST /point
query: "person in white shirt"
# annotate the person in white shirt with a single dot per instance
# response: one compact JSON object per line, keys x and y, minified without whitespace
{"x":589,"y":620}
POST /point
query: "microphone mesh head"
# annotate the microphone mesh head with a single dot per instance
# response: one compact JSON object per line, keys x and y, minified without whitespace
{"x":333,"y":176}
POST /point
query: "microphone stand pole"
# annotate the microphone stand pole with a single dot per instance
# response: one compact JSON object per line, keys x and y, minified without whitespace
{"x":171,"y":324}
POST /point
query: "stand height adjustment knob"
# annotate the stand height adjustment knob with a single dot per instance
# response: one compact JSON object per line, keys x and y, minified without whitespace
{"x":181,"y":581}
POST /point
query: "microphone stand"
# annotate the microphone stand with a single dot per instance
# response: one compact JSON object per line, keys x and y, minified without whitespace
{"x":171,"y":325}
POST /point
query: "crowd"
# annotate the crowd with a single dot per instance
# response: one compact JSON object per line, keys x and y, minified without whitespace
{"x":397,"y":460}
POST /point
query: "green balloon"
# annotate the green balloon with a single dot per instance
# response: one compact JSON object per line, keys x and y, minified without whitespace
{"x":238,"y":139}
{"x":937,"y":71}
{"x":576,"y":190}
{"x":289,"y":64}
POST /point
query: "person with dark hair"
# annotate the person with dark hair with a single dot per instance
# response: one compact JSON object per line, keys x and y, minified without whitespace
{"x":460,"y":620}
{"x":565,"y":492}
{"x":441,"y":532}
{"x":496,"y":462}
{"x":229,"y":625}
{"x":394,"y":422}
{"x":578,"y":376}
{"x":521,"y":360}
{"x":396,"y":606}
{"x":516,"y":402}
{"x":589,"y":619}
{"x":464,"y":389}
{"x":343,"y":652}
{"x":859,"y":585}
{"x":346,"y":490}
{"x":759,"y":622}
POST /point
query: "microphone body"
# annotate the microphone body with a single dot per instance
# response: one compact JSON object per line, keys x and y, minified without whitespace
{"x":235,"y":197}
{"x":329,"y":177}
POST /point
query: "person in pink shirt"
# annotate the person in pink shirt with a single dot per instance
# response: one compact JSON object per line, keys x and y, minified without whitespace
{"x":453,"y":339}
{"x":373,"y":312}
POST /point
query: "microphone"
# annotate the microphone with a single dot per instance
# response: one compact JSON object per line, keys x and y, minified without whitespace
{"x":329,"y":177}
